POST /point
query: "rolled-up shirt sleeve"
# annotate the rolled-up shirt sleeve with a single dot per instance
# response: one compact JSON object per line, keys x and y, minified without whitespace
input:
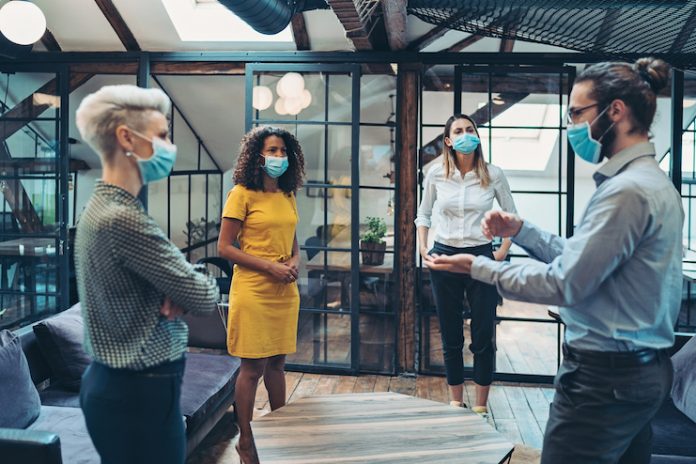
{"x":503,"y":194}
{"x":425,"y":210}
{"x":152,"y":256}
{"x":606,"y":238}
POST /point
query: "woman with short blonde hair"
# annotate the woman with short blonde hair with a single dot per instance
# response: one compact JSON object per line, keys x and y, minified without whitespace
{"x":134,"y":284}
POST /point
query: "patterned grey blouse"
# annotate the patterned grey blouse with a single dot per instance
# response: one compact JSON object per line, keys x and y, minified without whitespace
{"x":125,"y":267}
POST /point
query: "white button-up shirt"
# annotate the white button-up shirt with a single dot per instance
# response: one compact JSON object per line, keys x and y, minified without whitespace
{"x":462,"y":203}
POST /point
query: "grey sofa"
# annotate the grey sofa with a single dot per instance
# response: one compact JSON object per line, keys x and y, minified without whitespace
{"x":59,"y":434}
{"x":674,"y":434}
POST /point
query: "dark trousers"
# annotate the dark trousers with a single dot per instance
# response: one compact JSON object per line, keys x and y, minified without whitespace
{"x":449,"y":290}
{"x":601,"y":413}
{"x":135,"y":416}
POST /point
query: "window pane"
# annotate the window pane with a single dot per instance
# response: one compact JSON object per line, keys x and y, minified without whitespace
{"x":179,"y":213}
{"x":158,"y":203}
{"x":525,"y":150}
{"x":339,"y":155}
{"x":322,"y":339}
{"x":377,"y":98}
{"x":377,"y":164}
{"x":438,"y":98}
{"x":319,"y":226}
{"x":377,"y":347}
{"x":340,"y":97}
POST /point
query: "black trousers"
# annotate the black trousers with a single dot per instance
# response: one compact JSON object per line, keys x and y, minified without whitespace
{"x":449,"y":290}
{"x":135,"y":416}
{"x":601,"y":413}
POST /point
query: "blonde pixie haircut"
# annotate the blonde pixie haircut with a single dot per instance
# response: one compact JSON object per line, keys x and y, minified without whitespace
{"x":101,"y":112}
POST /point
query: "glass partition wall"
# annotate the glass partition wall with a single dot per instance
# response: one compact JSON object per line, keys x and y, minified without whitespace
{"x":34,"y":173}
{"x":519,"y":112}
{"x":345,"y":125}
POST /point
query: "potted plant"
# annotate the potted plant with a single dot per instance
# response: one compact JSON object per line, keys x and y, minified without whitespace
{"x":372,"y":242}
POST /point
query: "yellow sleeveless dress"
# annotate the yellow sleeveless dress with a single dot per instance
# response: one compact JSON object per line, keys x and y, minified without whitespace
{"x":263,"y":313}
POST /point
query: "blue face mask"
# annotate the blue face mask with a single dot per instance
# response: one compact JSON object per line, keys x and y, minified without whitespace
{"x":580,"y":138}
{"x":275,"y":166}
{"x":160,"y":164}
{"x":466,"y":143}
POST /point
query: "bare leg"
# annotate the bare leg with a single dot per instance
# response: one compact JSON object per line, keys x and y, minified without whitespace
{"x":456,"y":392}
{"x":245,"y":395}
{"x":482,"y":395}
{"x":274,"y":379}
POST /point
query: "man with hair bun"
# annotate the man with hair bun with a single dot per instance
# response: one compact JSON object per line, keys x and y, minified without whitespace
{"x":617,"y":280}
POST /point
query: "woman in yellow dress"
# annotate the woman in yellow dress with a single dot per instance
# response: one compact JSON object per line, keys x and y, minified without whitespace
{"x":261,"y":214}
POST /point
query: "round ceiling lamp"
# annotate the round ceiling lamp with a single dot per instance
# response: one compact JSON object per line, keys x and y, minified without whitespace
{"x":290,"y":85}
{"x":262,"y":97}
{"x":293,"y":105}
{"x":306,"y":98}
{"x":280,"y":107}
{"x":22,"y":22}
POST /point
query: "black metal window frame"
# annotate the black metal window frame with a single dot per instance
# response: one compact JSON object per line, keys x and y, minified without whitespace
{"x":60,"y":175}
{"x":566,"y":75}
{"x":252,"y":119}
{"x":61,"y":61}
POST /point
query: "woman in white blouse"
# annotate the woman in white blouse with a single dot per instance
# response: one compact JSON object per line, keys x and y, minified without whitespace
{"x":463,"y":186}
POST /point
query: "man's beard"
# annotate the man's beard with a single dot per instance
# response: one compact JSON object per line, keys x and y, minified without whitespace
{"x":608,"y":136}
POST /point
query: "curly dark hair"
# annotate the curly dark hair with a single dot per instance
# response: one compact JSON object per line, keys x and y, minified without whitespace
{"x":249,"y":170}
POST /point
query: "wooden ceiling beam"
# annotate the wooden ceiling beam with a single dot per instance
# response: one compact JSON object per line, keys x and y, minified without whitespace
{"x":462,"y":44}
{"x":395,"y":22}
{"x":506,"y":45}
{"x":119,"y":25}
{"x":28,"y":109}
{"x":184,"y":68}
{"x":364,"y":28}
{"x":299,"y":32}
{"x":49,"y":41}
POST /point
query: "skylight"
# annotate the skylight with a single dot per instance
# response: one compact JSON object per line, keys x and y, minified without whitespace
{"x":209,"y":21}
{"x":525,"y":149}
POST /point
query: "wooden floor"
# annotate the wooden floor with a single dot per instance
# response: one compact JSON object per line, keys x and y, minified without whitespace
{"x":518,"y":412}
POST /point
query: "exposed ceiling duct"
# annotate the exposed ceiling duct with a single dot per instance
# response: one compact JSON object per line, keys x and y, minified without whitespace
{"x":271,"y":16}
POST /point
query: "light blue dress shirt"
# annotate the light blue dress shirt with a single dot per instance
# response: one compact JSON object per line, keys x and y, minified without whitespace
{"x":618,"y":279}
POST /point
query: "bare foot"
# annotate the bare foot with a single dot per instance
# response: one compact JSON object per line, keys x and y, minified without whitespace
{"x":247,"y":454}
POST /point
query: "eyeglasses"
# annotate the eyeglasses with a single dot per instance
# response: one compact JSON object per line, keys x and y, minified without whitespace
{"x":574,"y":113}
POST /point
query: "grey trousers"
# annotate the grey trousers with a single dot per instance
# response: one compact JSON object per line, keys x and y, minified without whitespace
{"x":601,"y":415}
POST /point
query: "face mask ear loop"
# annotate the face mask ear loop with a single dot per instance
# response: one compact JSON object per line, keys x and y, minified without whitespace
{"x":606,"y":132}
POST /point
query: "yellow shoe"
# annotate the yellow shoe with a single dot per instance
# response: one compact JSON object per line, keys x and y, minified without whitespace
{"x":481,"y":411}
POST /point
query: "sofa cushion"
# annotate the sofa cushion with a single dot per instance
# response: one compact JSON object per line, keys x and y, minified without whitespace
{"x":673,"y":432}
{"x":684,"y":386}
{"x":19,"y":400}
{"x":75,"y":444}
{"x":60,"y":339}
{"x":208,"y":379}
{"x":57,"y":396}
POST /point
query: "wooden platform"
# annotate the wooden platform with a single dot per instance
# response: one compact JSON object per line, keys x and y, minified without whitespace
{"x":387,"y":428}
{"x":518,"y":412}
